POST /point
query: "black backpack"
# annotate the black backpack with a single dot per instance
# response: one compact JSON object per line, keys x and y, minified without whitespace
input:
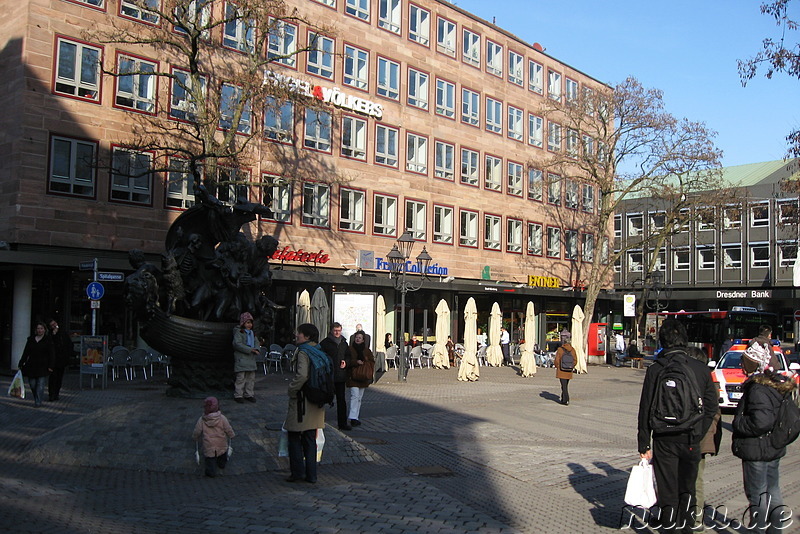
{"x":319,"y":388}
{"x":787,"y":424}
{"x":567,"y":361}
{"x":677,"y":403}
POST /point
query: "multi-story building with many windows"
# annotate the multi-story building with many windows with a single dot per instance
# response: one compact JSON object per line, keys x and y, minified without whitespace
{"x":435,"y":126}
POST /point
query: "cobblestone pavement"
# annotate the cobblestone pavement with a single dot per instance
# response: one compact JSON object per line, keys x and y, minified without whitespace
{"x":433,"y":455}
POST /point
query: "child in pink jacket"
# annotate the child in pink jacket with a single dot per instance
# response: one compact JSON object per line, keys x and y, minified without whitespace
{"x":213,"y":430}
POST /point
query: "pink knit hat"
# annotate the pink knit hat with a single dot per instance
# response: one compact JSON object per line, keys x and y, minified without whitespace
{"x":210,"y":405}
{"x":244,"y":317}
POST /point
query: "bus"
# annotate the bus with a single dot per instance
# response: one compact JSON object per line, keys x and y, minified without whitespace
{"x":710,"y":329}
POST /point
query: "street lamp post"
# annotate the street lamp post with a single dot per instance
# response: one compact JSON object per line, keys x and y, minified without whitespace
{"x":656,"y":287}
{"x":399,"y":260}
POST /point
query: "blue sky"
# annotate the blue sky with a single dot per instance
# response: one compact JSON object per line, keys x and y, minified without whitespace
{"x":688,"y":49}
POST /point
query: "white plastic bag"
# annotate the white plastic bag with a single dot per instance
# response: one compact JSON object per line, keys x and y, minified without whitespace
{"x":320,"y":444}
{"x":17,"y":387}
{"x":641,"y":490}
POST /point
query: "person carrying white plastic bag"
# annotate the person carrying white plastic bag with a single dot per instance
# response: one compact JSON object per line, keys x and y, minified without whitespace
{"x":17,"y":387}
{"x":641,"y":490}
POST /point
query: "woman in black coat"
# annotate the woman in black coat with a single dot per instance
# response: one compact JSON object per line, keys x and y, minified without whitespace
{"x":37,"y":361}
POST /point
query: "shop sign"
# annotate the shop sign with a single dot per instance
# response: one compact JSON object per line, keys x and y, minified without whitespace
{"x":544,"y":281}
{"x":333,"y":96}
{"x":745,"y":294}
{"x":411,"y":267}
{"x":287,"y":254}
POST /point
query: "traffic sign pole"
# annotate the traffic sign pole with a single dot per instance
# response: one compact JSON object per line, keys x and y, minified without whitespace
{"x":94,"y":310}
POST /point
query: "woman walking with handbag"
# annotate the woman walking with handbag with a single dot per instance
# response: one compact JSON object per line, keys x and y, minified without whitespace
{"x":37,"y":361}
{"x":361,"y":374}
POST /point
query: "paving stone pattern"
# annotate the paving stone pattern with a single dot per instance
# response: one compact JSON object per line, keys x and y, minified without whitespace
{"x":433,"y":455}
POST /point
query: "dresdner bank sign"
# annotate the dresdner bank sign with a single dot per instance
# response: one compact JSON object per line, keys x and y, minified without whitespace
{"x":745,"y":294}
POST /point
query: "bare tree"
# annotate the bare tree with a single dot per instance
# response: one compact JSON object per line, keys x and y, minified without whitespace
{"x":625,"y":144}
{"x":216,"y":66}
{"x":780,"y":54}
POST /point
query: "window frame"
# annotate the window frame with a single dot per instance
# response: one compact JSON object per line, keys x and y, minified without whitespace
{"x":183,"y":199}
{"x":492,"y":232}
{"x":729,"y":223}
{"x":516,"y":126}
{"x":535,"y":77}
{"x":555,"y":90}
{"x":378,"y":155}
{"x":571,"y":245}
{"x":422,"y":86}
{"x":703,"y":263}
{"x":278,"y":133}
{"x":392,"y":20}
{"x":471,"y":50}
{"x":316,"y":141}
{"x":445,"y":99}
{"x":516,"y":68}
{"x":72,"y":180}
{"x":188,"y":104}
{"x":282,"y":214}
{"x":359,"y":78}
{"x":243,"y":39}
{"x":514,"y":235}
{"x":316,"y":217}
{"x":495,"y":54}
{"x":476,"y":168}
{"x":422,"y":38}
{"x":787,"y":260}
{"x":439,"y":235}
{"x":131,"y":187}
{"x":418,"y":164}
{"x":77,"y":66}
{"x":587,"y":247}
{"x":138,"y":14}
{"x":441,"y":44}
{"x":441,"y":171}
{"x":493,"y":122}
{"x":515,"y":182}
{"x":572,"y":194}
{"x":554,"y":137}
{"x":322,"y":67}
{"x":587,"y":198}
{"x":681,"y":259}
{"x":353,"y":148}
{"x":532,"y":189}
{"x":733,"y":264}
{"x":416,"y":218}
{"x":755,"y":261}
{"x":473,"y":118}
{"x":356,"y":195}
{"x":386,"y":90}
{"x":493,"y":181}
{"x":384,"y":209}
{"x":282,"y":44}
{"x":358,"y":9}
{"x":245,"y":126}
{"x":759,"y":221}
{"x":134,"y":97}
{"x":535,"y":131}
{"x":468,"y":232}
{"x":531,"y":250}
{"x":554,"y":189}
{"x":553,"y":236}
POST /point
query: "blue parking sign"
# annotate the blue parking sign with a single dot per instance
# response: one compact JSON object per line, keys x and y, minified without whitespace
{"x":95,"y":291}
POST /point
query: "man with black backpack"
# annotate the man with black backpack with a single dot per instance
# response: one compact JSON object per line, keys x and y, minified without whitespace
{"x":676,"y":408}
{"x":565,"y":363}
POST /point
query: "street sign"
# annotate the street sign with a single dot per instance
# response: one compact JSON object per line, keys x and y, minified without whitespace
{"x":110,"y":277}
{"x":95,"y":291}
{"x":86,"y":265}
{"x":95,"y":304}
{"x":797,"y":315}
{"x":629,"y":306}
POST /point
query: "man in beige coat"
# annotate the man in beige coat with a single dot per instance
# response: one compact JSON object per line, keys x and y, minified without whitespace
{"x":303,"y":417}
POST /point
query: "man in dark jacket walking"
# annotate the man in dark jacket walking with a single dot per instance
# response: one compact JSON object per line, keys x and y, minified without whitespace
{"x":335,"y":346}
{"x":756,"y":416}
{"x":675,"y":455}
{"x":64,"y":351}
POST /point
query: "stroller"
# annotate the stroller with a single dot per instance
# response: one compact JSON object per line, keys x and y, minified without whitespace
{"x":543,"y":358}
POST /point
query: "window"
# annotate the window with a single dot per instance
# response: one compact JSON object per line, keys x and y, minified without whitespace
{"x":535,"y":131}
{"x":386,"y":150}
{"x":534,"y":239}
{"x":588,"y":248}
{"x":417,"y":153}
{"x":661,"y":260}
{"x":282,"y":43}
{"x":516,"y":125}
{"x":731,"y":256}
{"x":554,"y":85}
{"x":446,"y":37}
{"x":232,"y":184}
{"x":419,"y":25}
{"x":732,"y":217}
{"x":588,"y":101}
{"x":230,"y":101}
{"x":329,"y":3}
{"x":351,"y":210}
{"x":389,"y":15}
{"x":278,"y":119}
{"x":493,"y":177}
{"x":72,"y":166}
{"x":680,"y":259}
{"x":554,"y":189}
{"x":180,"y":185}
{"x":787,"y":210}
{"x":535,"y":77}
{"x":571,"y":245}
{"x":183,"y":103}
{"x":658,"y":220}
{"x":445,"y":98}
{"x":706,"y":219}
{"x":535,"y":184}
{"x":385,"y":216}
{"x":357,"y":8}
{"x":136,"y":84}
{"x":759,"y":255}
{"x":239,"y":33}
{"x":318,"y":130}
{"x":706,"y":258}
{"x":354,"y":138}
{"x":588,"y":198}
{"x":78,"y":70}
{"x":356,"y":67}
{"x":278,"y":196}
{"x":443,"y":224}
{"x":418,"y":89}
{"x":469,"y":167}
{"x":494,"y":115}
{"x":635,"y":261}
{"x":514,"y":183}
{"x":572,"y":143}
{"x":516,"y":68}
{"x":617,"y":226}
{"x":320,"y":55}
{"x":131,"y":177}
{"x":388,"y":78}
{"x":145,"y":11}
{"x":468,"y":231}
{"x":494,"y":58}
{"x":682,"y":220}
{"x":470,"y":107}
{"x":192,"y":15}
{"x":514,"y":236}
{"x":759,"y":215}
{"x":635,"y":224}
{"x":588,"y":146}
{"x":553,"y":137}
{"x":472,"y":48}
{"x":316,"y":205}
{"x":97,"y":3}
{"x":571,"y":194}
{"x":787,"y":254}
{"x":445,"y":166}
{"x":416,"y":219}
{"x":492,"y":236}
{"x":571,"y":91}
{"x":553,"y":242}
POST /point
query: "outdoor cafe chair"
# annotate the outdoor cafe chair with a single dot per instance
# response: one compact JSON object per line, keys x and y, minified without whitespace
{"x":261,"y":358}
{"x":482,"y":356}
{"x":288,"y":352}
{"x":119,"y":360}
{"x":426,"y":354}
{"x":416,"y":354}
{"x":275,"y":357}
{"x":391,"y":356}
{"x":138,"y":360}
